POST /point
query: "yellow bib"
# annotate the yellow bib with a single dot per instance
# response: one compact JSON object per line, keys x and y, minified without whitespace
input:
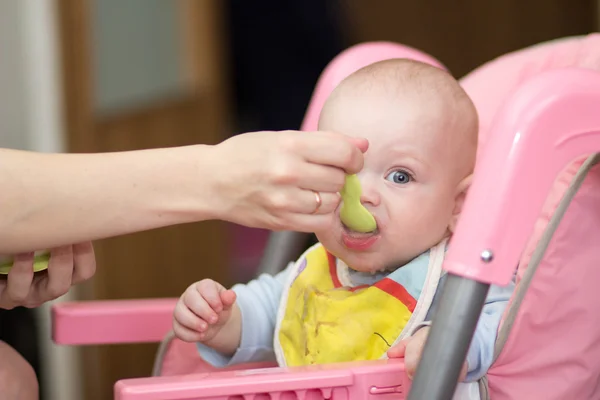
{"x":324,"y":322}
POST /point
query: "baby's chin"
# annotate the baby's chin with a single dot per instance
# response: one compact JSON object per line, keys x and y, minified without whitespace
{"x":364,"y":262}
{"x":377,"y":260}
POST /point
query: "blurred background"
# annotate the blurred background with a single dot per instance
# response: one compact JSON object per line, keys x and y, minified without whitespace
{"x":110,"y":75}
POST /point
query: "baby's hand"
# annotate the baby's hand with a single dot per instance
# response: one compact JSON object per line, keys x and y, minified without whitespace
{"x":411,"y":350}
{"x":202,"y":310}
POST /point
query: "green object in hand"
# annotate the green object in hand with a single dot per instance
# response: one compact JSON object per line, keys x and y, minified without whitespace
{"x":40,"y":263}
{"x":353,"y":214}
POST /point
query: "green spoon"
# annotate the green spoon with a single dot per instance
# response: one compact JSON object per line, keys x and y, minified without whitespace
{"x":353,"y":214}
{"x":40,"y":263}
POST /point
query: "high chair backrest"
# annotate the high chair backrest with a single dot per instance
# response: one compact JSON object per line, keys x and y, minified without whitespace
{"x":490,"y":84}
{"x":283,"y":247}
{"x":549,"y":344}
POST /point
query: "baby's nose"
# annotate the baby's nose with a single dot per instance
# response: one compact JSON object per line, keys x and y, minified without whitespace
{"x":370,"y":194}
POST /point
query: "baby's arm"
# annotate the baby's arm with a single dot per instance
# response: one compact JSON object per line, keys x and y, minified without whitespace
{"x":481,"y":350}
{"x":258,"y":302}
{"x":247,"y":336}
{"x":207,"y":312}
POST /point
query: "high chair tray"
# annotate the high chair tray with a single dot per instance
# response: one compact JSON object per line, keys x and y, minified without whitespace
{"x":381,"y":379}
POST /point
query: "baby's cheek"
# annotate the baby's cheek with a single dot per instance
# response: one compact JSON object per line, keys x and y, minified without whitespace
{"x":330,"y":242}
{"x":406,"y":238}
{"x":428,"y":224}
{"x":326,"y":238}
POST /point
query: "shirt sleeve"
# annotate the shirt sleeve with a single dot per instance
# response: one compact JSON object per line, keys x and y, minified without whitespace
{"x":258,"y":301}
{"x":481,"y":350}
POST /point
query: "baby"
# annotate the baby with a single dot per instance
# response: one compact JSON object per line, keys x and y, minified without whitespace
{"x":359,"y":296}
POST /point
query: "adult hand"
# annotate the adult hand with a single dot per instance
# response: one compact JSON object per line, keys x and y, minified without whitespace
{"x":274,"y":180}
{"x":68,"y":265}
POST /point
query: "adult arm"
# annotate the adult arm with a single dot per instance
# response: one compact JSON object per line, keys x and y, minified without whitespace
{"x":259,"y":179}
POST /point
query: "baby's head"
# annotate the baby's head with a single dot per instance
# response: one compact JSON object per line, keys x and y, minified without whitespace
{"x":422,"y":131}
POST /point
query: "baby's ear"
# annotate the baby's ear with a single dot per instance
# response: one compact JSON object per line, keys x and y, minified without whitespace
{"x":459,"y":201}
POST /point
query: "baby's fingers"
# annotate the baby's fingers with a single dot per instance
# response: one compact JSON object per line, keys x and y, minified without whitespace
{"x":463,"y":372}
{"x":398,"y":350}
{"x":196,"y":302}
{"x":210,"y":291}
{"x":412,"y":356}
{"x":186,"y":334}
{"x":227,"y":298}
{"x":188,"y":319}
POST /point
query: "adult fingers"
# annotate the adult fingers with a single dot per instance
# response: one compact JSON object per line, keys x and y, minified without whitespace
{"x":4,"y":303}
{"x":19,"y":279}
{"x":331,"y":149}
{"x":361,"y":143}
{"x":302,"y":201}
{"x":322,"y":178}
{"x":307,"y":222}
{"x":84,"y":262}
{"x":60,"y":273}
{"x":319,"y":203}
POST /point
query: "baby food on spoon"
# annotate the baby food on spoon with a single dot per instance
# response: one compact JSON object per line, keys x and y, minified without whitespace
{"x":353,"y":214}
{"x":40,"y":263}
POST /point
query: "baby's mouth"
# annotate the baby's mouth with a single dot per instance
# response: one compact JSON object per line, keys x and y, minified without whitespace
{"x":358,"y":241}
{"x":359,"y":235}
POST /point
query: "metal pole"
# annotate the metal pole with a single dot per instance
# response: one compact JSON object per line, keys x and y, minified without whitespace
{"x":445,"y":351}
{"x":282,"y":247}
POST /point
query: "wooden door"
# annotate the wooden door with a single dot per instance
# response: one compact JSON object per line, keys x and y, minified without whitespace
{"x":187,"y":108}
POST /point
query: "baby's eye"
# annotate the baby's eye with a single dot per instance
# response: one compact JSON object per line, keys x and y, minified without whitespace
{"x":400,"y":177}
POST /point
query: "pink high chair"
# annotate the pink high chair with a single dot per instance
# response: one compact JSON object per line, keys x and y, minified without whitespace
{"x":540,"y":120}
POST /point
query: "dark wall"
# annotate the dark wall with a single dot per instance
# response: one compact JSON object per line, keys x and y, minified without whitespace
{"x":279,"y":48}
{"x":463,"y":34}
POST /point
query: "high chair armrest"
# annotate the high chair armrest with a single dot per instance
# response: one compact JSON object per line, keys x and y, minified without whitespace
{"x":366,"y":380}
{"x":112,"y":321}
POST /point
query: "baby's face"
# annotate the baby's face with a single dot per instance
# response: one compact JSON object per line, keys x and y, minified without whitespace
{"x":409,"y":181}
